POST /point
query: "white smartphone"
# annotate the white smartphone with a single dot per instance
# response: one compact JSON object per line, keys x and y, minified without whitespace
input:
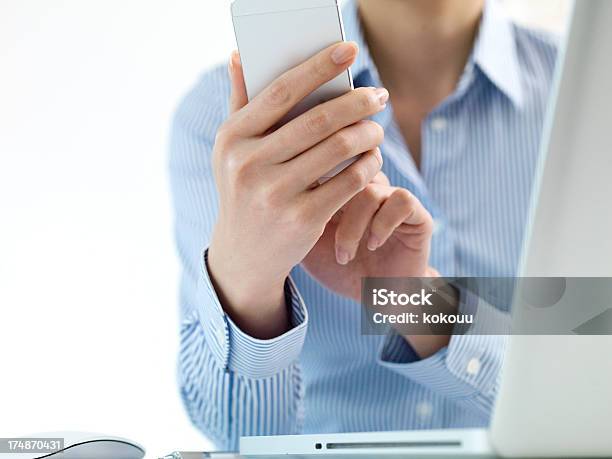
{"x":274,"y":36}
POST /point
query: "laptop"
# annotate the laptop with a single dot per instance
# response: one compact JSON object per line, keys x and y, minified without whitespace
{"x":555,"y":398}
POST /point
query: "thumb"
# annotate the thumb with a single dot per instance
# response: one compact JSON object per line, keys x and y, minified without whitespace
{"x":239,"y":98}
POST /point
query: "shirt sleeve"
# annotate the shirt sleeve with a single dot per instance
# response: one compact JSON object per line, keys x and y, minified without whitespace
{"x":467,"y":370}
{"x":237,"y":351}
{"x":231,"y":385}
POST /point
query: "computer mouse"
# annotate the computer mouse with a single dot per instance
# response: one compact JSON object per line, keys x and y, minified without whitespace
{"x":84,"y":445}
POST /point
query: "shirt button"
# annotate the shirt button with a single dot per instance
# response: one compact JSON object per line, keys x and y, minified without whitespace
{"x":473,"y":367}
{"x":439,"y":123}
{"x":424,"y":410}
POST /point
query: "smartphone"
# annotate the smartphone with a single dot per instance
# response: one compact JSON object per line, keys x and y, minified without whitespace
{"x":274,"y":36}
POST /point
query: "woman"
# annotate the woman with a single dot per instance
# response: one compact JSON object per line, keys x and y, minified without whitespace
{"x":459,"y":93}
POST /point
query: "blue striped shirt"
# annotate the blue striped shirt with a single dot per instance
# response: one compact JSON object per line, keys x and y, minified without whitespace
{"x":479,"y":150}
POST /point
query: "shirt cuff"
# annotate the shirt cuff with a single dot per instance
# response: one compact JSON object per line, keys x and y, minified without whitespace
{"x":236,"y":351}
{"x":466,"y":370}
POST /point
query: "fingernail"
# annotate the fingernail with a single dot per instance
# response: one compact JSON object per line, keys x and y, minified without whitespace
{"x":373,"y":243}
{"x":343,"y":53}
{"x":383,"y":96}
{"x":342,"y":257}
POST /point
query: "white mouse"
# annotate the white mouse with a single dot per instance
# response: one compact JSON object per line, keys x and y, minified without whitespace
{"x":85,"y":445}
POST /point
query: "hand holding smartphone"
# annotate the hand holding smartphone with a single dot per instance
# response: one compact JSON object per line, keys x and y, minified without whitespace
{"x":266,"y":161}
{"x":274,"y":36}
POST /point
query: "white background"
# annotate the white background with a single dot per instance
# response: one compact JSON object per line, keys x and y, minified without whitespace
{"x":88,"y":277}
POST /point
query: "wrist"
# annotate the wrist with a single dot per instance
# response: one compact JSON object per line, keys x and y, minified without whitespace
{"x":244,"y":286}
{"x":256,"y":304}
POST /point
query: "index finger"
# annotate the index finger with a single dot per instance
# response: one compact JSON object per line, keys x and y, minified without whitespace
{"x":401,"y":212}
{"x":274,"y":102}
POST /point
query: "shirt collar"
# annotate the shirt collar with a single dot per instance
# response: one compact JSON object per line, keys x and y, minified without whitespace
{"x":494,"y":51}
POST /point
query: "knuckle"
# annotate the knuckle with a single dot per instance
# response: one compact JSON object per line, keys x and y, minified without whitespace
{"x":234,"y":166}
{"x":239,"y":167}
{"x":370,"y":195}
{"x":366,"y":101}
{"x":317,"y":121}
{"x":374,"y":132}
{"x":342,"y":142}
{"x":404,"y":197}
{"x":279,"y":92}
{"x":224,"y":136}
{"x":320,"y":68}
{"x":357,"y":178}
